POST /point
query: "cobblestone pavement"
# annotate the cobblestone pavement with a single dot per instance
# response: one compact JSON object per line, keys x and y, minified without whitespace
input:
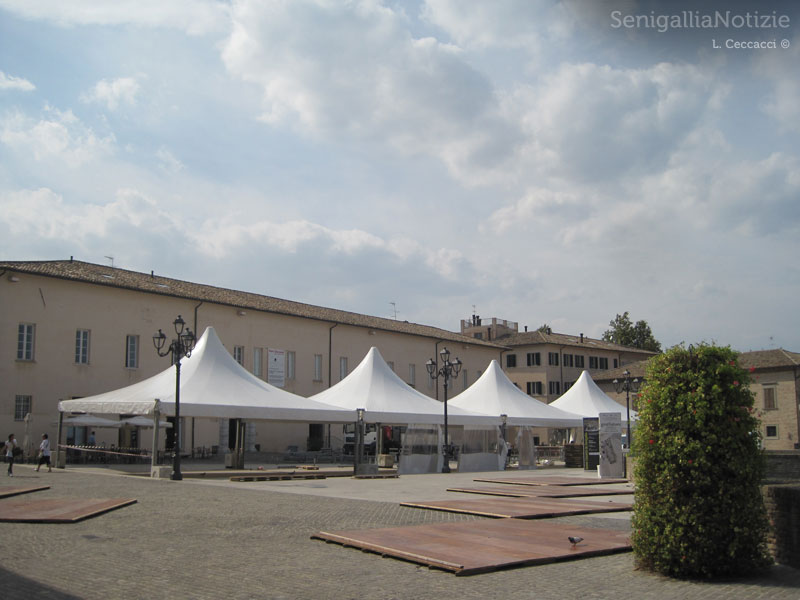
{"x":193,"y":539}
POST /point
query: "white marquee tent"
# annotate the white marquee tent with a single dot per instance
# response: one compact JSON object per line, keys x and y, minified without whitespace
{"x":386,"y":398}
{"x":495,"y":394}
{"x":213,"y":384}
{"x":587,"y":399}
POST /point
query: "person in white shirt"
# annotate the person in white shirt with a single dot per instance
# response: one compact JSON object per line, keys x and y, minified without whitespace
{"x":44,"y":453}
{"x":9,"y":447}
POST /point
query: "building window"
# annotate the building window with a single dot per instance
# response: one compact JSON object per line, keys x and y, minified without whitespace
{"x":238,"y":354}
{"x":770,"y":398}
{"x":318,"y":367}
{"x":82,"y":347}
{"x":22,"y":406}
{"x":552,"y":359}
{"x":342,"y":367}
{"x":771,"y":431}
{"x":132,"y":351}
{"x":391,"y":365}
{"x":567,"y":385}
{"x":534,"y":388}
{"x":290,"y":361}
{"x":616,"y":363}
{"x":511,"y":361}
{"x":555,"y":388}
{"x":412,"y":375}
{"x":568,"y":360}
{"x":258,"y":357}
{"x":478,"y":336}
{"x":579,"y":361}
{"x":534,"y":359}
{"x":25,"y":341}
{"x":592,"y":362}
{"x":604,"y":363}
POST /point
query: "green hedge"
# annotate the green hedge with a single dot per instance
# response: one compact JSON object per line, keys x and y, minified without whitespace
{"x":698,"y":510}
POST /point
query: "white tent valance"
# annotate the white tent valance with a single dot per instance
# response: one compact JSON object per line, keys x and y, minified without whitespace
{"x":386,"y":398}
{"x":494,"y":393}
{"x":213,"y":384}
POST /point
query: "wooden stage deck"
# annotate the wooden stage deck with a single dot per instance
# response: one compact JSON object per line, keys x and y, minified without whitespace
{"x":522,"y":508}
{"x":542,"y":491}
{"x":8,"y":492}
{"x":58,"y":510}
{"x":468,"y":548}
{"x":551,"y":480}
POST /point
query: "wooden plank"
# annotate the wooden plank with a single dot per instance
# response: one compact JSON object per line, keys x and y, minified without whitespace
{"x":541,"y":491}
{"x":473,"y":547}
{"x":522,"y":508}
{"x":59,"y":510}
{"x":554,"y":480}
{"x":8,"y":492}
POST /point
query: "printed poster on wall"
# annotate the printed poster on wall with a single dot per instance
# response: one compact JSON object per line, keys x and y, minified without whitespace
{"x":611,"y":458}
{"x":276,"y":369}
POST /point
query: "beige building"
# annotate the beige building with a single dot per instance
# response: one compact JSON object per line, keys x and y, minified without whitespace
{"x":545,"y":364}
{"x":70,"y":329}
{"x":775,"y":385}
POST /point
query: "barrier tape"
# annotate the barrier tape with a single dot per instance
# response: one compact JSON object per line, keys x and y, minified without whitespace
{"x":84,"y":449}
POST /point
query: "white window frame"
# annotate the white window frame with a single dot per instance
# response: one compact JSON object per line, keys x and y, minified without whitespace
{"x":771,"y":437}
{"x":131,"y":351}
{"x":318,"y":367}
{"x":342,"y":367}
{"x":290,"y":363}
{"x":23,"y":404}
{"x":412,"y":375}
{"x":238,"y":354}
{"x":82,"y":346}
{"x":258,"y":362}
{"x":26,"y":338}
{"x":774,"y":392}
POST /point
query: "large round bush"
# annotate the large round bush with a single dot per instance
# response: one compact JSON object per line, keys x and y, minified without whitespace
{"x":698,"y":510}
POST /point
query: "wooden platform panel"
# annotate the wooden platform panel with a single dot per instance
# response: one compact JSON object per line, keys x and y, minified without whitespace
{"x":522,"y":508}
{"x":472,"y":547}
{"x":59,"y":510}
{"x":541,"y":491}
{"x":548,"y":481}
{"x":7,"y":492}
{"x":278,"y":477}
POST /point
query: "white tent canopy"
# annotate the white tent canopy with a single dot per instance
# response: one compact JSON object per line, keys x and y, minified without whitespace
{"x":144,"y":422}
{"x":213,"y":384}
{"x":495,"y":394}
{"x":91,"y":421}
{"x":587,"y":399}
{"x":386,"y":398}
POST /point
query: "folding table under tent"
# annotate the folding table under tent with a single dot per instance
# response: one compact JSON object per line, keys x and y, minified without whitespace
{"x":388,"y":400}
{"x":494,"y":393}
{"x":213,"y":385}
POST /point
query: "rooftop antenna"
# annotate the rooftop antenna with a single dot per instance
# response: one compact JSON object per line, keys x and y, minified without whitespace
{"x":111,"y":258}
{"x":394,"y":310}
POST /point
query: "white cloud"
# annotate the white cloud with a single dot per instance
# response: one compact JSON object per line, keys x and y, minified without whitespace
{"x":195,"y":17}
{"x":113,"y":92}
{"x":9,"y":82}
{"x":57,"y":135}
{"x":168,"y":161}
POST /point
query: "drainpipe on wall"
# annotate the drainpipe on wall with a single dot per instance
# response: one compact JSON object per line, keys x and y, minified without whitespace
{"x":330,"y":353}
{"x":195,"y":316}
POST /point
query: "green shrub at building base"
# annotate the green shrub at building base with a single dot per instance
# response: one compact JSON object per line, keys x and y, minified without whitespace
{"x":698,"y":510}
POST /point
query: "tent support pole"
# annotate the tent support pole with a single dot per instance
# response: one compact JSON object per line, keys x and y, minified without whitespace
{"x":156,"y":420}
{"x":59,"y":463}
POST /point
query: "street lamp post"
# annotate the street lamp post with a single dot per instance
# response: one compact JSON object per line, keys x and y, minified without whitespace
{"x":181,"y":346}
{"x":627,"y":385}
{"x":447,"y":371}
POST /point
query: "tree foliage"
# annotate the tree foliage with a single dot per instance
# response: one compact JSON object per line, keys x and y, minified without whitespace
{"x":635,"y":335}
{"x":698,"y":510}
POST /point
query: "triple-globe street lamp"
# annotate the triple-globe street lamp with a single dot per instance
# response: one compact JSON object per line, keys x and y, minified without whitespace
{"x":181,"y":346}
{"x":447,"y":371}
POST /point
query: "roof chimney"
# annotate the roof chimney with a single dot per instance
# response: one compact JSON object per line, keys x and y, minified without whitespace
{"x":581,"y":338}
{"x":526,"y":328}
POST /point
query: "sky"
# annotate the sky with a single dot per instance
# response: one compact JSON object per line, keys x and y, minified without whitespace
{"x":538,"y":161}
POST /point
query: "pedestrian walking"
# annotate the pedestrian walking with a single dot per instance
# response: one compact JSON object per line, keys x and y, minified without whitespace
{"x":11,"y":451}
{"x":44,"y":454}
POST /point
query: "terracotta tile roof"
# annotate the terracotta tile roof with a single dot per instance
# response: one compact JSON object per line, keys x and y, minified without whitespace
{"x":150,"y":283}
{"x":529,"y":338}
{"x":761,"y":360}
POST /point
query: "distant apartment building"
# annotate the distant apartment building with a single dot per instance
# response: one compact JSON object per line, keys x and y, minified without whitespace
{"x":775,"y":386}
{"x":544,"y":364}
